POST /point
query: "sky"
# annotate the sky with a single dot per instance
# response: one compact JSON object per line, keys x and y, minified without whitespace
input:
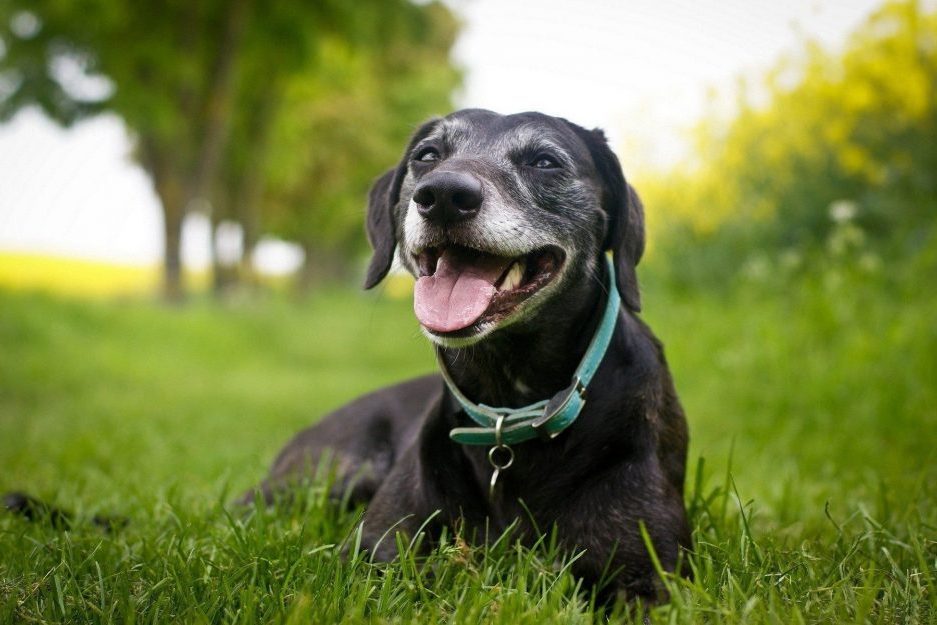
{"x":640,"y":69}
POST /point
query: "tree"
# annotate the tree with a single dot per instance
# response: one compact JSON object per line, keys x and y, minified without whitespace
{"x":172,"y":66}
{"x":180,"y":72}
{"x":359,"y":110}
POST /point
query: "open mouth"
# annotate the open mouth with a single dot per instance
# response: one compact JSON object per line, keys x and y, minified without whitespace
{"x":460,"y":288}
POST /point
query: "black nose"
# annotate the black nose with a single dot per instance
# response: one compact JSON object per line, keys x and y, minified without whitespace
{"x":447,"y":197}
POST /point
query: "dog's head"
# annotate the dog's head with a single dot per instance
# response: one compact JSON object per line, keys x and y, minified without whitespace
{"x":496,"y":214}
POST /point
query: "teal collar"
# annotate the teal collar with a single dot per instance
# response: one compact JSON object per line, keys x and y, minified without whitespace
{"x":547,"y":418}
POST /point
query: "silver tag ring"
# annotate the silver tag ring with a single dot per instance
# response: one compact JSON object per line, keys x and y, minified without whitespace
{"x":501,"y":466}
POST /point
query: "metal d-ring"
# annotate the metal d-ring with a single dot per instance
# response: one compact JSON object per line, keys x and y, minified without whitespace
{"x":501,"y":466}
{"x":499,"y":447}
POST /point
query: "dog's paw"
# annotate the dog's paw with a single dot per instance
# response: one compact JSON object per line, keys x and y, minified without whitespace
{"x":34,"y":509}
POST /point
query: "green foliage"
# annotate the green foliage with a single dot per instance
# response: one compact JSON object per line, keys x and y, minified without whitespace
{"x":855,"y":129}
{"x":344,"y":125}
{"x":158,"y":55}
{"x":329,"y":130}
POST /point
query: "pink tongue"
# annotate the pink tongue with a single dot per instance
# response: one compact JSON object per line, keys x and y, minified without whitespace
{"x":459,"y":292}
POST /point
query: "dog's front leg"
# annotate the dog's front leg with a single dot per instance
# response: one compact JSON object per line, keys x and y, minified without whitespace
{"x":400,"y":506}
{"x":604,"y":521}
{"x":430,"y":487}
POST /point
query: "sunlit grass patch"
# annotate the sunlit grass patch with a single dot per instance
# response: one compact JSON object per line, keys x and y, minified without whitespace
{"x":71,"y":276}
{"x":80,"y":277}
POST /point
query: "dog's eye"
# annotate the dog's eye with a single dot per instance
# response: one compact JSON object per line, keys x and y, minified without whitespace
{"x":427,"y":155}
{"x":544,"y":161}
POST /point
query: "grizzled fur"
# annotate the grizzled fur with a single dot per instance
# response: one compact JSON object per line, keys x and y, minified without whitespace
{"x":620,"y":464}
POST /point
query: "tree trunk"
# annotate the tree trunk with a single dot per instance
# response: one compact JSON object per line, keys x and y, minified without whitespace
{"x":168,"y":188}
{"x":173,"y":215}
{"x":219,"y":282}
{"x":308,"y":273}
{"x":246,"y":273}
{"x":179,"y":188}
{"x":219,"y":102}
{"x":321,"y":266}
{"x":250,"y":196}
{"x":216,"y":122}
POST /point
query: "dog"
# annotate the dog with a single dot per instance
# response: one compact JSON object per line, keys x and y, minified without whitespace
{"x":507,"y":223}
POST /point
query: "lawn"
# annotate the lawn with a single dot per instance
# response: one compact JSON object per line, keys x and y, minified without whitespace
{"x":813,"y":489}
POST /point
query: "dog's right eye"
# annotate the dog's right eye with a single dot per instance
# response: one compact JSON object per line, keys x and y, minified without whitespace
{"x":427,"y":155}
{"x":544,"y":161}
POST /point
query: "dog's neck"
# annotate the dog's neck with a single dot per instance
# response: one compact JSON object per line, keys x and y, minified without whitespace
{"x":519,"y":365}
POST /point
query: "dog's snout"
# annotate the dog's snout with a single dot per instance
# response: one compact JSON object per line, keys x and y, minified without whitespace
{"x":447,"y":197}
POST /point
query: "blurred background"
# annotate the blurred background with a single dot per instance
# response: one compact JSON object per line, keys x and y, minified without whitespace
{"x":225,"y":143}
{"x":182,"y":194}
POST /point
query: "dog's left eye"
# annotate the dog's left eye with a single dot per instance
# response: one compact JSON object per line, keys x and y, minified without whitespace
{"x":427,"y":155}
{"x":544,"y":161}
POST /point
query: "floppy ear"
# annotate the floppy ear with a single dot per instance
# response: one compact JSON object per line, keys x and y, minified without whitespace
{"x":380,"y":228}
{"x":628,"y":250}
{"x":624,"y":234}
{"x":380,"y":223}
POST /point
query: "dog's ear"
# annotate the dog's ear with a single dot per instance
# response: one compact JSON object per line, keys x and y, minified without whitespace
{"x":628,"y":250}
{"x":380,"y":224}
{"x":624,"y":234}
{"x":380,"y":227}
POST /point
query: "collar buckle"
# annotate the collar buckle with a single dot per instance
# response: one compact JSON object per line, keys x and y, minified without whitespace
{"x":557,"y":407}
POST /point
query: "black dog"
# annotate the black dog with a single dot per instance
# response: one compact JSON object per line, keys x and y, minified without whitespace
{"x":506,"y":222}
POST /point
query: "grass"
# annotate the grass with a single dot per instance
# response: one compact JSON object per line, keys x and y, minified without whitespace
{"x":812,"y":400}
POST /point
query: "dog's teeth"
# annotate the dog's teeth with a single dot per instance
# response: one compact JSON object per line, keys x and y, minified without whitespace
{"x":517,"y":272}
{"x":513,"y":279}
